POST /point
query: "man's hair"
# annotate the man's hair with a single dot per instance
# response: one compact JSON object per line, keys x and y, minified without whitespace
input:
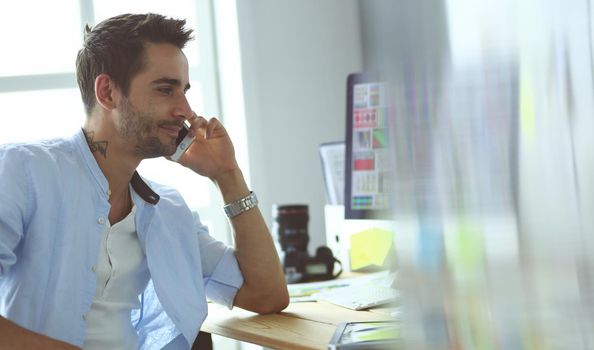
{"x":116,"y":47}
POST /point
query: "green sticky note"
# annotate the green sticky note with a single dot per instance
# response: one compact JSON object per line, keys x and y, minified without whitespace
{"x":465,"y":247}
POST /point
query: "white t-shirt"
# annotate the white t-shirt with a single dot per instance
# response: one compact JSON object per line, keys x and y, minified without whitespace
{"x":122,"y":274}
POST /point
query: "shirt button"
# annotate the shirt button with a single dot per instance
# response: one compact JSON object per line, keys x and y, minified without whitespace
{"x":101,"y":220}
{"x":85,"y":317}
{"x":94,"y":268}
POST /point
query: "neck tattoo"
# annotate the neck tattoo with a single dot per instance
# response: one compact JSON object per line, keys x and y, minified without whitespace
{"x":96,"y":146}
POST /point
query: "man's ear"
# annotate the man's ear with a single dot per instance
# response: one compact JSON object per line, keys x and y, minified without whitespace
{"x":105,"y":92}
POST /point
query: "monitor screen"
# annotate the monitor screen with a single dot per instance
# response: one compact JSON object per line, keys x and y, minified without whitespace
{"x":368,"y":192}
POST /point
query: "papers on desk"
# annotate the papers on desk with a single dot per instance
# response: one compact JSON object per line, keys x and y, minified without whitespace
{"x":300,"y":292}
{"x":365,"y":335}
{"x":355,"y":293}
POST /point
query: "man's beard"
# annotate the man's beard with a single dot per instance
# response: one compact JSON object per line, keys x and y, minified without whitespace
{"x":143,"y":127}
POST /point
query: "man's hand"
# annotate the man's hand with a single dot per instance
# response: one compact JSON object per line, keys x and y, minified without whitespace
{"x":212,"y":153}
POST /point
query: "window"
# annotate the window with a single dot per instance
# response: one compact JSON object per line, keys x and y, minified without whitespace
{"x":38,"y":83}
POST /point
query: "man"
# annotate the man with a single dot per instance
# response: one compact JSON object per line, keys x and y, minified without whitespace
{"x":93,"y":256}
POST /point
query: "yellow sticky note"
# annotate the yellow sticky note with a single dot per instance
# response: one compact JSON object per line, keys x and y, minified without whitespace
{"x":370,"y":247}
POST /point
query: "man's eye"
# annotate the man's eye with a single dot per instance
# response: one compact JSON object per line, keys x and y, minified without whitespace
{"x":165,"y":90}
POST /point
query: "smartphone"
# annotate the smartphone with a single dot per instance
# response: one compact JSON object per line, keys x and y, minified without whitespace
{"x":183,"y":142}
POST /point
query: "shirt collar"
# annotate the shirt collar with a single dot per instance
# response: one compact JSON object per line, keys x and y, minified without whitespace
{"x":138,"y":184}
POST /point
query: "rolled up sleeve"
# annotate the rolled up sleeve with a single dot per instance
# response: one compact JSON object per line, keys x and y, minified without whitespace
{"x":221,"y":274}
{"x":13,"y":206}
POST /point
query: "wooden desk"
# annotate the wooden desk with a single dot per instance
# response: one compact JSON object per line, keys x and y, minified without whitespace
{"x":303,"y":326}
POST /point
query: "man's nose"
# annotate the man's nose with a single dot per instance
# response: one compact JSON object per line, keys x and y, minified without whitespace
{"x":182,"y":108}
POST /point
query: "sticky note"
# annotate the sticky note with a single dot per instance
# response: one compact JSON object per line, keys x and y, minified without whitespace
{"x":370,"y":247}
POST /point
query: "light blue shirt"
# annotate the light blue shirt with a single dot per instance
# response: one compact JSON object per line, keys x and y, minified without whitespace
{"x":53,"y":208}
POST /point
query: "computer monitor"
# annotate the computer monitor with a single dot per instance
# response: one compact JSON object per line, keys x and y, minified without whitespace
{"x":368,"y":193}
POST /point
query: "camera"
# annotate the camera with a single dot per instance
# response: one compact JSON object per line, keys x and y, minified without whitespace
{"x":291,"y":228}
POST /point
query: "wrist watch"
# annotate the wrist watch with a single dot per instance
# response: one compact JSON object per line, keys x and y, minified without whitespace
{"x":244,"y":204}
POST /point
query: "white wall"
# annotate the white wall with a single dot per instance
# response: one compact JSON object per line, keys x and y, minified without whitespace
{"x":296,"y":56}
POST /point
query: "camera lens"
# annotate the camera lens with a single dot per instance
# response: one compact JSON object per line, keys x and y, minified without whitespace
{"x":291,"y":226}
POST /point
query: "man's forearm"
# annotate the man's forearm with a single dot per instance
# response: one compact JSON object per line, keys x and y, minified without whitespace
{"x":255,"y":252}
{"x":15,"y":337}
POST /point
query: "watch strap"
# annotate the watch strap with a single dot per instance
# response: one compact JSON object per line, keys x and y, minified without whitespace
{"x":242,"y":205}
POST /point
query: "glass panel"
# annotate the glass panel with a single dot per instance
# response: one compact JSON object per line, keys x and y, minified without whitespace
{"x":33,"y":115}
{"x":483,"y":29}
{"x":172,"y":8}
{"x":39,"y":36}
